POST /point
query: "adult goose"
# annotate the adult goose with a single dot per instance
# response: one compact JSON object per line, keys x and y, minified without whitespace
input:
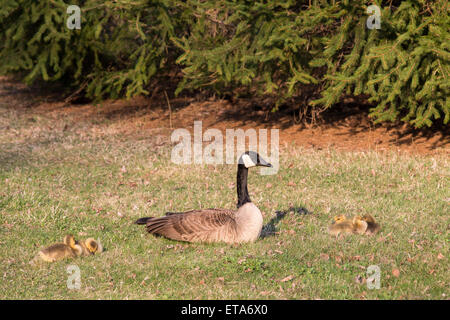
{"x":215,"y":225}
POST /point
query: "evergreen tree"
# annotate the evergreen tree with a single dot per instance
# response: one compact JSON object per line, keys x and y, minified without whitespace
{"x":280,"y":50}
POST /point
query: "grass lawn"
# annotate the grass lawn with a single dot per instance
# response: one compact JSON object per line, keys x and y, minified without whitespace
{"x":60,"y":176}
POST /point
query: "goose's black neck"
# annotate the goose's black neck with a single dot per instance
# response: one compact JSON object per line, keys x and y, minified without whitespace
{"x":242,"y":192}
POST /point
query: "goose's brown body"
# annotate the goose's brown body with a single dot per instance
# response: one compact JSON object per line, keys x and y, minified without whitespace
{"x":210,"y":225}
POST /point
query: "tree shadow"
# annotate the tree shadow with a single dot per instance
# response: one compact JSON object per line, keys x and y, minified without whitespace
{"x":347,"y":119}
{"x":270,"y":229}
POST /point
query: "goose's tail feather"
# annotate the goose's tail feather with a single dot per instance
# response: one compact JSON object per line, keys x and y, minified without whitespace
{"x":143,"y":220}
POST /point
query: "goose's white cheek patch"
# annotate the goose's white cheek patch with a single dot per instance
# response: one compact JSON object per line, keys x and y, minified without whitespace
{"x":248,"y":163}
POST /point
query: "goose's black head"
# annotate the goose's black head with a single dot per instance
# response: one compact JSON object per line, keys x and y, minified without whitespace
{"x":253,"y":159}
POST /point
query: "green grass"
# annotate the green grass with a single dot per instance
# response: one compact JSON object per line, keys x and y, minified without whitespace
{"x":88,"y":181}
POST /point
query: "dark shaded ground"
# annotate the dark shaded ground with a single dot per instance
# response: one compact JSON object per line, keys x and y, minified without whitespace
{"x":344,"y":127}
{"x":270,"y":229}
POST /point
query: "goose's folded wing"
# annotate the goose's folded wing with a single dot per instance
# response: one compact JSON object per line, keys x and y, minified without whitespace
{"x":189,"y":225}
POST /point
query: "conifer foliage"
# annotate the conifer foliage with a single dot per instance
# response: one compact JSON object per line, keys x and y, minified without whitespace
{"x":120,"y":46}
{"x":278,"y":49}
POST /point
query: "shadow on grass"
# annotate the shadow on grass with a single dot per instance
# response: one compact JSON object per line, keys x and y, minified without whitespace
{"x":270,"y":230}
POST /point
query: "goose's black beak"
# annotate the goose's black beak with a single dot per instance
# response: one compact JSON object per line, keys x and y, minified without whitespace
{"x":264,"y":163}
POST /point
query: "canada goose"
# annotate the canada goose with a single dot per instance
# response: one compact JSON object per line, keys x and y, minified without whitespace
{"x":216,"y":225}
{"x":372,"y":226}
{"x":58,"y":251}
